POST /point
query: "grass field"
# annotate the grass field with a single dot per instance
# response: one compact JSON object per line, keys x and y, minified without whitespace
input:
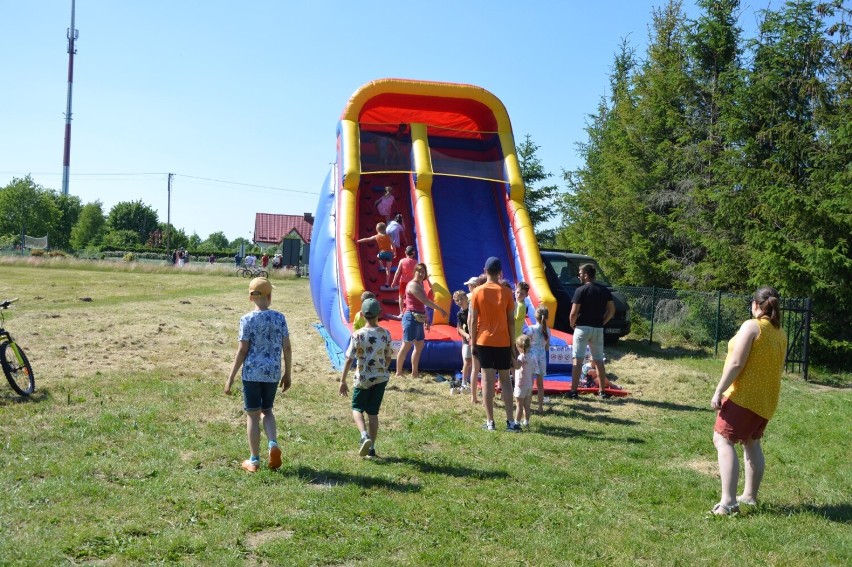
{"x":129,"y":453}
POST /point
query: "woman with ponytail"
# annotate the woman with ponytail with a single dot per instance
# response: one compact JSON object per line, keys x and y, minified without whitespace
{"x":746,"y":398}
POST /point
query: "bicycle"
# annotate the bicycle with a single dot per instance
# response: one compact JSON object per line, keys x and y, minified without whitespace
{"x":15,"y":365}
{"x":248,"y":272}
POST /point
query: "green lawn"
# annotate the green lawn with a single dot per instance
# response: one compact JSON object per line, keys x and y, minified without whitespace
{"x":129,"y":452}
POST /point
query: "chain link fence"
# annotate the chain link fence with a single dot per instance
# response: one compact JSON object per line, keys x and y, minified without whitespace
{"x":707,"y":320}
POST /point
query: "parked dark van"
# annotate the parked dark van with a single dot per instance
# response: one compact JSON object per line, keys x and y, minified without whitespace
{"x":561,"y":269}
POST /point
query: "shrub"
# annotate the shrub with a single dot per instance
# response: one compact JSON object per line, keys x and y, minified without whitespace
{"x":129,"y":257}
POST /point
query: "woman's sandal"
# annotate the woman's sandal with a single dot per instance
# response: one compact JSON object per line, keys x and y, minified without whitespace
{"x":722,"y":510}
{"x":746,"y":501}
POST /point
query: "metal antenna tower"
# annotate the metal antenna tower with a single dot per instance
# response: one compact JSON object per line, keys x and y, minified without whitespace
{"x":72,"y":49}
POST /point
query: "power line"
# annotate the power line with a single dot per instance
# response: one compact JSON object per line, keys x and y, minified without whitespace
{"x":115,"y":176}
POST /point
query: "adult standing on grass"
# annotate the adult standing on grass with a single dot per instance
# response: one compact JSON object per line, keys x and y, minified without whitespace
{"x":370,"y":348}
{"x":491,"y":321}
{"x":413,"y":320}
{"x":746,"y":398}
{"x":591,"y":308}
{"x":264,"y":339}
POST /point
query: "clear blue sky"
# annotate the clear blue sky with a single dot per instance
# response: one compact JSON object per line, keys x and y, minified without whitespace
{"x":251,"y":92}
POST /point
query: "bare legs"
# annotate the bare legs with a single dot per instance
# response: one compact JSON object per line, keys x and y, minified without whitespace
{"x":415,"y":358}
{"x":490,"y":375}
{"x":474,"y":380}
{"x":729,"y":469}
{"x":539,"y":386}
{"x":754,"y":467}
{"x":370,"y":427}
{"x":253,"y":421}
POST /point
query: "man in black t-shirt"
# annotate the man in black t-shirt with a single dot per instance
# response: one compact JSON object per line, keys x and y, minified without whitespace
{"x":591,"y":308}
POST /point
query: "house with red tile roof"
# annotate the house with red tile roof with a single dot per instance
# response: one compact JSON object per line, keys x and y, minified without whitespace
{"x":270,"y":229}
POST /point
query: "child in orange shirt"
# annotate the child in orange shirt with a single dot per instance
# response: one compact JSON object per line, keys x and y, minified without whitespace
{"x":386,"y":250}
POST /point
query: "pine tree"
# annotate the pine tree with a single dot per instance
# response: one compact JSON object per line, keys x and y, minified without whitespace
{"x":539,"y":201}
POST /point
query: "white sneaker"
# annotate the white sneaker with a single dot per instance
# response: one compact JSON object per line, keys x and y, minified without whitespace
{"x":366,"y":445}
{"x":525,"y":423}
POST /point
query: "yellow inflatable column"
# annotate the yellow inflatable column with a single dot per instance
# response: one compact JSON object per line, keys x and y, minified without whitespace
{"x":528,"y":249}
{"x":347,"y":216}
{"x":424,"y":221}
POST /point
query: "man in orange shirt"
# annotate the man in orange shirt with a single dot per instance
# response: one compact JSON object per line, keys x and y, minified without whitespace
{"x":491,"y":322}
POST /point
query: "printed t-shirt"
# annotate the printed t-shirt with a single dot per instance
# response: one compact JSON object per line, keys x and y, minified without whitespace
{"x":371,"y":348}
{"x":265,"y":332}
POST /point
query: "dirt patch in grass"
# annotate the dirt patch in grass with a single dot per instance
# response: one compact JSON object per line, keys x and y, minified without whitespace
{"x":256,"y":539}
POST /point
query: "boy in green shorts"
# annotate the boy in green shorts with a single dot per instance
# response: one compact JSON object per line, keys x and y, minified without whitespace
{"x":371,"y":348}
{"x":264,"y":338}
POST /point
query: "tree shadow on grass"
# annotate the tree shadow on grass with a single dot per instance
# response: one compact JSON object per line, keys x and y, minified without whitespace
{"x":663,"y":405}
{"x":567,"y":432}
{"x":331,"y":479}
{"x":841,"y":513}
{"x":642,"y":348}
{"x":448,"y":469}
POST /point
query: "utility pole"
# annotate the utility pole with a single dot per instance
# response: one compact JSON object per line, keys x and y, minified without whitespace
{"x":169,"y":217}
{"x":66,"y":154}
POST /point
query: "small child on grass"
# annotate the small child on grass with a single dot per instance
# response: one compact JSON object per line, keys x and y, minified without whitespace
{"x":386,"y":250}
{"x":461,"y":300}
{"x":371,"y":349}
{"x":264,"y":339}
{"x":539,"y":345}
{"x":523,"y":381}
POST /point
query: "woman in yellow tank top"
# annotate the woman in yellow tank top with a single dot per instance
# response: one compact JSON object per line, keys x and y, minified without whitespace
{"x":746,"y":398}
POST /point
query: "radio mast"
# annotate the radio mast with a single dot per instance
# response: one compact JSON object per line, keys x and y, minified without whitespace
{"x":66,"y":154}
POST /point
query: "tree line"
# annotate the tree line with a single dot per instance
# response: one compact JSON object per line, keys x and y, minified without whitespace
{"x":26,"y":207}
{"x":723,"y":162}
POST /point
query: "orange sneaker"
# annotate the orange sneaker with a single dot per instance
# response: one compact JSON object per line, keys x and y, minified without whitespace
{"x":274,"y":457}
{"x":250,"y":466}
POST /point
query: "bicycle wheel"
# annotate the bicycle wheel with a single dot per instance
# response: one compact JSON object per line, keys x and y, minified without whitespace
{"x":262,"y":274}
{"x":18,"y":373}
{"x":247,"y":273}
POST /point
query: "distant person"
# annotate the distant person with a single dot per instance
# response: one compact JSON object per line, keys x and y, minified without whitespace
{"x":591,"y":308}
{"x":238,"y":259}
{"x":523,"y":381}
{"x":371,"y":350}
{"x":522,"y":291}
{"x":746,"y":398}
{"x":264,"y":260}
{"x":384,"y":205}
{"x":396,"y":231}
{"x":264,"y":340}
{"x":539,"y":336}
{"x":386,"y":250}
{"x":174,"y":257}
{"x":460,"y":297}
{"x":413,"y":321}
{"x":491,"y":321}
{"x":404,"y":274}
{"x":472,"y":284}
{"x":212,"y":258}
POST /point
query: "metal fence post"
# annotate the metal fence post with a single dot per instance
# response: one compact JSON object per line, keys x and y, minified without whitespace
{"x":653,"y":311}
{"x":718,"y":321}
{"x":806,"y":338}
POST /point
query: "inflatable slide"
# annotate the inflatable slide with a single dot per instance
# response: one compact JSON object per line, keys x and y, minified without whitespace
{"x":447,"y":154}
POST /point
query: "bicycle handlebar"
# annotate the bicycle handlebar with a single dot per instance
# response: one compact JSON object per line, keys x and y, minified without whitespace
{"x":7,"y":303}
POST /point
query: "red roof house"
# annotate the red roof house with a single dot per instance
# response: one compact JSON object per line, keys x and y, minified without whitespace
{"x":270,"y":229}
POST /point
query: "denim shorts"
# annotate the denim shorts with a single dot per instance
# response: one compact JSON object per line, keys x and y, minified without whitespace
{"x":258,"y":395}
{"x":385,"y":255}
{"x":411,"y":329}
{"x":591,"y":337}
